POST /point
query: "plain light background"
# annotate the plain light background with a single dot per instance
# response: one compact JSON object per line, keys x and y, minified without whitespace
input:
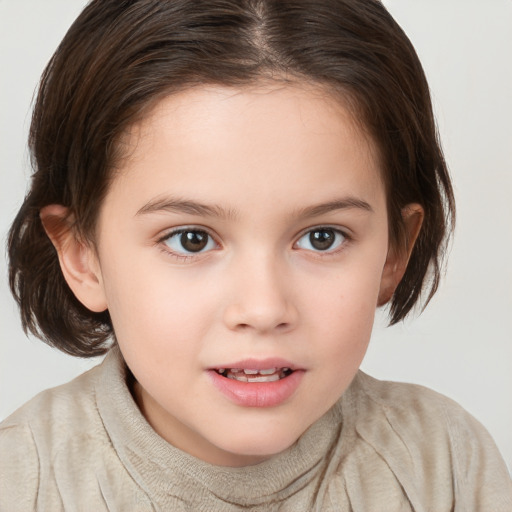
{"x":462,"y":344}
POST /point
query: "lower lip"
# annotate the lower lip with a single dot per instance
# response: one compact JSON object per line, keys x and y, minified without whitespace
{"x":257,"y":394}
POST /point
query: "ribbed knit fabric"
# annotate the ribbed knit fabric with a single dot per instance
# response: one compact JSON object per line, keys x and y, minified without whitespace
{"x":383,"y":447}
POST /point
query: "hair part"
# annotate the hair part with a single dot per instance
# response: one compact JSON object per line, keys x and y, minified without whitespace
{"x":120,"y":58}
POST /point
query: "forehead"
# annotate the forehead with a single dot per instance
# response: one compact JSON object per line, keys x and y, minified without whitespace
{"x":220,"y":141}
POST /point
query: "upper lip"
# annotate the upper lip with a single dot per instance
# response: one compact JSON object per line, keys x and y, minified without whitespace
{"x":258,"y":364}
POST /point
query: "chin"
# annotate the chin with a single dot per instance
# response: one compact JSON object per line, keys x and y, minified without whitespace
{"x":254,"y":447}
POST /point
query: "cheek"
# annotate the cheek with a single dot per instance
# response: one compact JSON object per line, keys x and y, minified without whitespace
{"x":163,"y":308}
{"x":349,"y":291}
{"x":148,"y":307}
{"x":342,"y":308}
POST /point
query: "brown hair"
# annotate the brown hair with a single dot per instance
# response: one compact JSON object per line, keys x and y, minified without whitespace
{"x":119,"y":57}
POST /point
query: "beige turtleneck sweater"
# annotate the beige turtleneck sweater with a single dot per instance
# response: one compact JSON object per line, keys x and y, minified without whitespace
{"x":383,"y":447}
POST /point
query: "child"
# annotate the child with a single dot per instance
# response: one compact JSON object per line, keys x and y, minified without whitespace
{"x":223,"y":194}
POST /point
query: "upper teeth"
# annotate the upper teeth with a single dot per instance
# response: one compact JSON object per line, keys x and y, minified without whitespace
{"x":252,"y":375}
{"x":270,"y":371}
{"x":249,"y":371}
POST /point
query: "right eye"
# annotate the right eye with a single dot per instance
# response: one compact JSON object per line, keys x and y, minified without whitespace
{"x":322,"y":239}
{"x":189,"y":241}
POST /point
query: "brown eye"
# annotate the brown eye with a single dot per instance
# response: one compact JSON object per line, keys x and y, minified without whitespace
{"x":321,"y":239}
{"x":189,"y":241}
{"x":194,"y":241}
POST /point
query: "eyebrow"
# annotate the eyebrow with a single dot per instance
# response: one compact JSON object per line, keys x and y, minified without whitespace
{"x":345,"y":203}
{"x":177,"y":205}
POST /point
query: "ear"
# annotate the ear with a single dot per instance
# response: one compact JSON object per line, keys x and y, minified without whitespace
{"x":78,"y":260}
{"x":398,"y":257}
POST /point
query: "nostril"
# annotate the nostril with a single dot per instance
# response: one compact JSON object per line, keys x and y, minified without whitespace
{"x":279,"y":327}
{"x":260,"y":316}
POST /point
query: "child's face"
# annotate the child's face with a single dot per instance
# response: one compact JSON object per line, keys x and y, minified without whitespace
{"x":280,"y":259}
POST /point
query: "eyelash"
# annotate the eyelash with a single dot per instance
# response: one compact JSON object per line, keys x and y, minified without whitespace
{"x":184,"y":256}
{"x":346,"y":238}
{"x":193,"y":255}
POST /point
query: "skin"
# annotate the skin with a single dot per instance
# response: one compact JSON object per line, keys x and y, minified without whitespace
{"x":262,"y":158}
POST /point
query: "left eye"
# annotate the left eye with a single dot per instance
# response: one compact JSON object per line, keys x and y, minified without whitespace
{"x":321,"y":239}
{"x":187,"y":241}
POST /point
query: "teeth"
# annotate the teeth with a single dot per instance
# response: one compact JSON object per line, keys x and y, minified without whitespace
{"x":251,"y":375}
{"x":270,"y":371}
{"x":240,"y":378}
{"x":264,"y":378}
{"x":260,"y":378}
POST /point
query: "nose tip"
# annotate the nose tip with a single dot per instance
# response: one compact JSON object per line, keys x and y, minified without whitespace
{"x":241,"y":318}
{"x":264,"y":305}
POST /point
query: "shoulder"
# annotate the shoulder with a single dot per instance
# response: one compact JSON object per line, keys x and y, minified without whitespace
{"x":58,"y":445}
{"x":19,"y":462}
{"x":420,"y":413}
{"x":431,"y":443}
{"x":54,"y":409}
{"x":44,"y":431}
{"x":411,"y":405}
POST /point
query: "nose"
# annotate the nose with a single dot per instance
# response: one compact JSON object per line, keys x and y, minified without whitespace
{"x":262,"y":299}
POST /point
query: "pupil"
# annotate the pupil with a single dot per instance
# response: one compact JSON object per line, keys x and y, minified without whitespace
{"x":322,"y":239}
{"x":194,"y":241}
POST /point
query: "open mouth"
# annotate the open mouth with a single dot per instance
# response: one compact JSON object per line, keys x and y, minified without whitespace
{"x":249,"y":375}
{"x":256,"y":383}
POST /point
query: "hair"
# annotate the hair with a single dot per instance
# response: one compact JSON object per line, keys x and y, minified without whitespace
{"x":122,"y":56}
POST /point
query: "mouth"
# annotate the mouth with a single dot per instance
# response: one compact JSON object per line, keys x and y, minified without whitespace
{"x":257,"y":383}
{"x":254,"y":375}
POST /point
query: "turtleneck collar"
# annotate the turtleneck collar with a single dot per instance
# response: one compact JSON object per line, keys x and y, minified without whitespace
{"x":164,"y":471}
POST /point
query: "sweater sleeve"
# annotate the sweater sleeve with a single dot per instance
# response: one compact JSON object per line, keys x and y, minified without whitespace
{"x":481,"y":479}
{"x":19,"y":469}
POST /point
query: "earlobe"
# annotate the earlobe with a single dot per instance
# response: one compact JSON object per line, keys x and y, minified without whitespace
{"x":398,"y":257}
{"x":78,"y":260}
